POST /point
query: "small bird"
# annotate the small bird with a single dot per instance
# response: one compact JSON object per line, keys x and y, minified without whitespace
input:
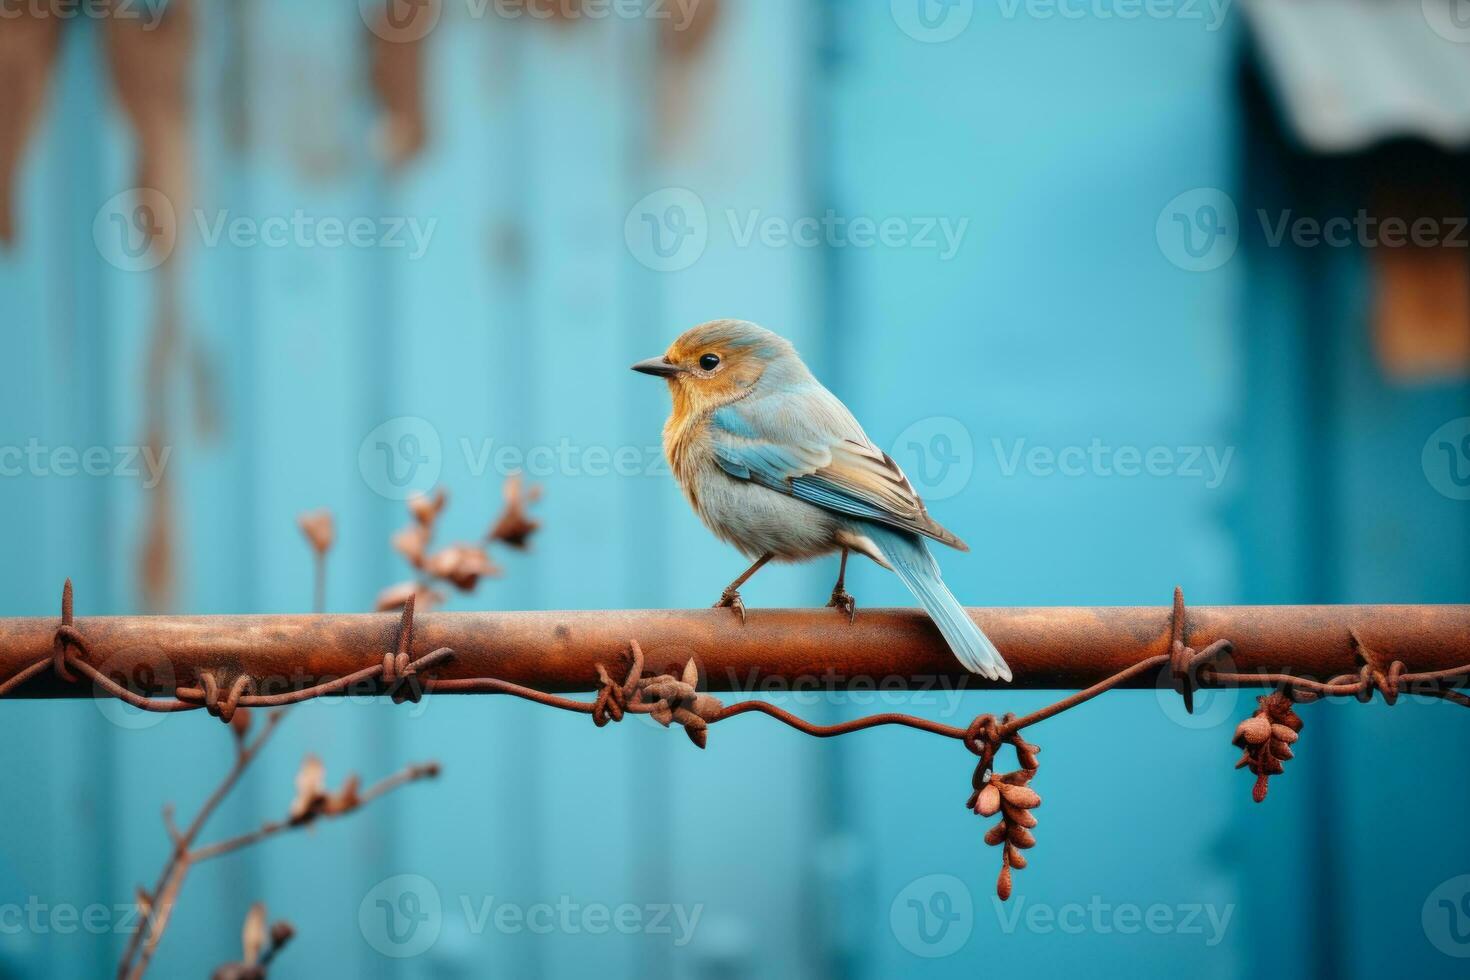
{"x":775,"y":465}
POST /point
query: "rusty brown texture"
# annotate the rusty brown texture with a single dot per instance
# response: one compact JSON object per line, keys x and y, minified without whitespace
{"x":228,"y":664}
{"x":1048,"y":648}
{"x":28,"y":46}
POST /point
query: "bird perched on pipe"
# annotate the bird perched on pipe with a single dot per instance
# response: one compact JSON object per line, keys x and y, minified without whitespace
{"x":775,"y":465}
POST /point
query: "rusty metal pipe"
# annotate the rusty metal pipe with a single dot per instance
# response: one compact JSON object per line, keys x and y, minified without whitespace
{"x":775,"y":649}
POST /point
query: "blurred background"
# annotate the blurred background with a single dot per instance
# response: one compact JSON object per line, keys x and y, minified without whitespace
{"x":1139,"y":293}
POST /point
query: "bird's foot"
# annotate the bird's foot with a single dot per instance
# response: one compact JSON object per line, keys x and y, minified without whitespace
{"x":730,"y":599}
{"x":841,"y":599}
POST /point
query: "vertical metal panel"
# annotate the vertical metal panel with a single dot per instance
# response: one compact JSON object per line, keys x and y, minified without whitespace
{"x":1056,"y":322}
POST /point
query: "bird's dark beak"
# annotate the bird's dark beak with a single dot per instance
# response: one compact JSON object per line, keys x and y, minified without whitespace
{"x":656,"y":366}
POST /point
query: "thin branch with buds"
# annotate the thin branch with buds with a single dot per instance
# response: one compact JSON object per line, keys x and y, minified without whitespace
{"x":312,"y":803}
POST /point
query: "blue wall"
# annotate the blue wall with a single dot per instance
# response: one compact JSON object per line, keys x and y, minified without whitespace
{"x":1057,"y":321}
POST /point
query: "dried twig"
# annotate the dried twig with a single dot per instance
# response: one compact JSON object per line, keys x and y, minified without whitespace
{"x":158,"y":903}
{"x":259,"y":946}
{"x":459,"y":565}
{"x":320,"y":532}
{"x":313,"y":803}
{"x":515,"y":525}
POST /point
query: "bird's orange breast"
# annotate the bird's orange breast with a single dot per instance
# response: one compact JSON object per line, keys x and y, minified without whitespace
{"x":684,"y":434}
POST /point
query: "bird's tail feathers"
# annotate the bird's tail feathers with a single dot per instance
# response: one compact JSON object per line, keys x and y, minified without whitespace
{"x":908,"y":556}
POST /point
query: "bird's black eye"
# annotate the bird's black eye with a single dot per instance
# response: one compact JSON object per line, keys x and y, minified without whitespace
{"x":709,"y":362}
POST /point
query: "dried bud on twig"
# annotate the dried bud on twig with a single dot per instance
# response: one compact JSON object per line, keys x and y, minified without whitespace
{"x":411,"y":543}
{"x":319,"y":529}
{"x":393,"y":598}
{"x":515,"y":526}
{"x":282,"y":932}
{"x":462,"y":565}
{"x":1265,"y":739}
{"x":312,"y":799}
{"x":426,"y":510}
{"x":253,"y":940}
{"x":346,"y":799}
{"x":311,"y":790}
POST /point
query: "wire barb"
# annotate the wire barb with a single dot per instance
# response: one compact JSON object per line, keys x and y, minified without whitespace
{"x":668,"y":699}
{"x":1266,"y":738}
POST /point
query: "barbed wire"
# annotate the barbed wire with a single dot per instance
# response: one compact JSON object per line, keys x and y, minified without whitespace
{"x":1265,"y":738}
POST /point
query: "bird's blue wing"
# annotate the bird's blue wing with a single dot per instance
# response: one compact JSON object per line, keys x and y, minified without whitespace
{"x":805,"y":443}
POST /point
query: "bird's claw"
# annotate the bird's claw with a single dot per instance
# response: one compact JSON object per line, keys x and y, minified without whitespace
{"x":844,"y":601}
{"x":730,"y":599}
